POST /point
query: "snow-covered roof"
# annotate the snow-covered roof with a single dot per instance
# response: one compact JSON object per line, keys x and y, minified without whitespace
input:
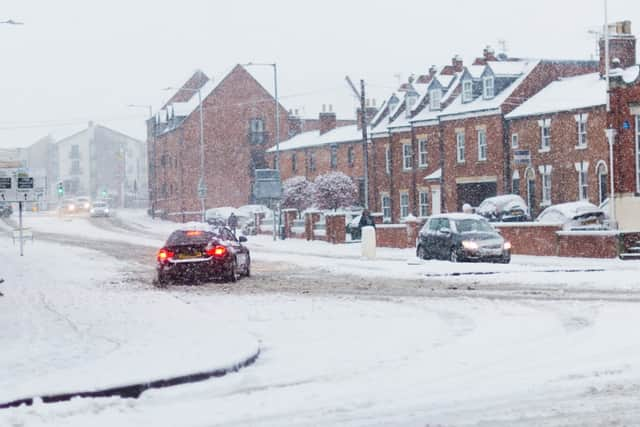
{"x":427,"y":114}
{"x":507,"y":68}
{"x":566,"y":94}
{"x":341,"y":134}
{"x":629,"y":75}
{"x":481,"y":104}
{"x":475,"y":70}
{"x":434,"y":175}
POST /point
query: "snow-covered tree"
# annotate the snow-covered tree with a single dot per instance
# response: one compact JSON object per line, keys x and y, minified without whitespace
{"x":334,"y":190}
{"x":298,"y":193}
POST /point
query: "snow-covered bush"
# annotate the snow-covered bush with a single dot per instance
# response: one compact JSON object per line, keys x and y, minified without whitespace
{"x":335,"y":190}
{"x":297,"y":193}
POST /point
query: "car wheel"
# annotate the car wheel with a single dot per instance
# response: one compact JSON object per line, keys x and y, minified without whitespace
{"x":453,"y":255}
{"x":232,"y":274}
{"x":163,"y":280}
{"x":505,"y":260}
{"x":247,"y":270}
{"x":421,"y":253}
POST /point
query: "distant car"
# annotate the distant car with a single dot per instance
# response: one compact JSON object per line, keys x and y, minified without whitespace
{"x":203,"y":254}
{"x":99,"y":208}
{"x":83,"y":204}
{"x":462,"y":237}
{"x":5,"y":210}
{"x":580,"y":215}
{"x":68,"y":207}
{"x":505,"y":208}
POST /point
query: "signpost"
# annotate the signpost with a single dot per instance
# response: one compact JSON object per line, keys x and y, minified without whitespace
{"x":268,"y":188}
{"x":17,"y":186}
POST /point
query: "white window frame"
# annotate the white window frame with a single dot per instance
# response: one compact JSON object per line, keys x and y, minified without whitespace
{"x":583,"y":180}
{"x":515,"y":140}
{"x":545,"y":135}
{"x":386,"y":207}
{"x":460,"y":149}
{"x":637,"y":154}
{"x":435,"y":98}
{"x":404,"y":207}
{"x":467,"y":90}
{"x":545,"y":172}
{"x":407,"y":157}
{"x":602,"y":170}
{"x":333,"y":159}
{"x":482,"y":145}
{"x":488,"y":87}
{"x":387,"y":159}
{"x":423,"y":159}
{"x":424,"y":203}
{"x":582,"y":132}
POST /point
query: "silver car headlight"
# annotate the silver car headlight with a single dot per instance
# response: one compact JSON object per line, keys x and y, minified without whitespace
{"x":470,"y":245}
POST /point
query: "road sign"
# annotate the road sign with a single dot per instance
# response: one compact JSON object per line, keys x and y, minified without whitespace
{"x":6,"y":188}
{"x":522,"y":157}
{"x":24,"y":189}
{"x":267,"y":184}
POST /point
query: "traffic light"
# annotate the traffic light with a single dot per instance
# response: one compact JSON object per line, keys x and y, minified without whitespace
{"x":60,"y":189}
{"x":104,"y":193}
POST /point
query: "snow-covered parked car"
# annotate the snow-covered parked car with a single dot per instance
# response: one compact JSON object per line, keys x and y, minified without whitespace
{"x":504,"y":208}
{"x":575,"y":216}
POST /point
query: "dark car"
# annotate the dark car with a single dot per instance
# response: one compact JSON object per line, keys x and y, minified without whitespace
{"x":5,"y":209}
{"x":462,"y":237}
{"x":505,"y":208}
{"x":203,"y":255}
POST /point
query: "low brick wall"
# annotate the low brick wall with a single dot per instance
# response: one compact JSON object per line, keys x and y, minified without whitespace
{"x":574,"y":244}
{"x":336,"y":228}
{"x":530,"y":238}
{"x":391,"y":236}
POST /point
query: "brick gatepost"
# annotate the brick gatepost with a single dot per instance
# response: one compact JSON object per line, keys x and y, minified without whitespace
{"x":290,"y":215}
{"x":336,"y":228}
{"x":310,"y":219}
{"x":412,"y":230}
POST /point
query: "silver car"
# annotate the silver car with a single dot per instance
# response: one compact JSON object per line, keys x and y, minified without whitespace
{"x":99,"y":209}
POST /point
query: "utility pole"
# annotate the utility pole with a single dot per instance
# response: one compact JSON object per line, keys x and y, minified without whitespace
{"x":365,"y":151}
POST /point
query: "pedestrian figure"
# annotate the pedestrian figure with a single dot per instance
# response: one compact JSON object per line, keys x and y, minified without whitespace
{"x":232,"y":222}
{"x":366,"y":220}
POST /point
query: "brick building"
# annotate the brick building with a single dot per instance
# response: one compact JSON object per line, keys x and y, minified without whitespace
{"x":239,"y":126}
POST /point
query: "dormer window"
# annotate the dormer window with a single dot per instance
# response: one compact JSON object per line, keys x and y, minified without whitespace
{"x":435,"y":96}
{"x":487,"y":87}
{"x":467,"y":91}
{"x":411,"y":100}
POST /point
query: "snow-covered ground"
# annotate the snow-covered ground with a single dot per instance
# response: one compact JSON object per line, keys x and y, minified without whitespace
{"x":74,"y":317}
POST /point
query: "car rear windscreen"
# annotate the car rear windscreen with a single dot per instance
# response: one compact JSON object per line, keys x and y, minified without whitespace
{"x":190,"y":237}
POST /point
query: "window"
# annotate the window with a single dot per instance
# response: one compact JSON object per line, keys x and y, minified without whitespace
{"x":583,"y":187}
{"x":482,"y":144}
{"x":638,"y":153}
{"x":545,"y":171}
{"x":350,"y":158}
{"x":275,"y":162}
{"x":460,"y":146}
{"x":545,"y":134}
{"x":406,"y":157}
{"x":387,"y":159}
{"x":294,"y":162}
{"x":487,"y":87}
{"x":411,"y":100}
{"x":603,"y":191}
{"x":515,"y":143}
{"x":467,"y":91}
{"x":334,"y":156}
{"x":386,"y":208}
{"x":424,"y":203}
{"x":404,"y":204}
{"x":435,"y":96}
{"x":75,"y":167}
{"x":256,"y":131}
{"x":422,"y":153}
{"x":515,"y":183}
{"x":75,"y":152}
{"x":311,"y":160}
{"x":582,"y":130}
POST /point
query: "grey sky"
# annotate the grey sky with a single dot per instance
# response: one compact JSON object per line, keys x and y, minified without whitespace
{"x":78,"y":60}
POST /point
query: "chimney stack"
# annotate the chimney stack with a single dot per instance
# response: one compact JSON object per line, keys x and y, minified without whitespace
{"x":456,"y":62}
{"x":328,"y":119}
{"x":622,"y":46}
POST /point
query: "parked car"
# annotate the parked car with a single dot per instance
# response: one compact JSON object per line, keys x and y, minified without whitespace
{"x":504,"y":208}
{"x":83,"y":204}
{"x":99,"y":208}
{"x":5,"y":210}
{"x":462,"y":237}
{"x":580,"y":215}
{"x":203,"y":254}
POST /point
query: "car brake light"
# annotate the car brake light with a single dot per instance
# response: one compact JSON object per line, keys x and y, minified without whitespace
{"x":194,"y":233}
{"x":217,"y":251}
{"x":164,"y":255}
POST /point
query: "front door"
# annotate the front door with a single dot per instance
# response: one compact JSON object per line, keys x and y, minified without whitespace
{"x":435,"y":200}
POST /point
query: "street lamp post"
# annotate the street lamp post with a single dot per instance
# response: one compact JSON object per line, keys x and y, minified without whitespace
{"x":202,"y":187}
{"x":151,"y":163}
{"x":277,"y":125}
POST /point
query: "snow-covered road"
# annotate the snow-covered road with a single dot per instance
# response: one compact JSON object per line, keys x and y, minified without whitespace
{"x":383,"y":351}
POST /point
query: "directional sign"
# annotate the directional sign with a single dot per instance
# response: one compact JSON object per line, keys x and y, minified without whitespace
{"x":522,"y":157}
{"x":6,"y":189}
{"x":24,"y":189}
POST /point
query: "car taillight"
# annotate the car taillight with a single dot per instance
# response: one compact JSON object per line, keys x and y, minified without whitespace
{"x":217,"y":251}
{"x":164,"y":255}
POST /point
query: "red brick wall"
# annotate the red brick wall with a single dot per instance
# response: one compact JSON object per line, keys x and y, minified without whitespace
{"x":392,"y":236}
{"x":531,"y":240}
{"x":227,"y":111}
{"x":587,"y":246}
{"x":563,"y":154}
{"x":624,"y":149}
{"x":336,"y":228}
